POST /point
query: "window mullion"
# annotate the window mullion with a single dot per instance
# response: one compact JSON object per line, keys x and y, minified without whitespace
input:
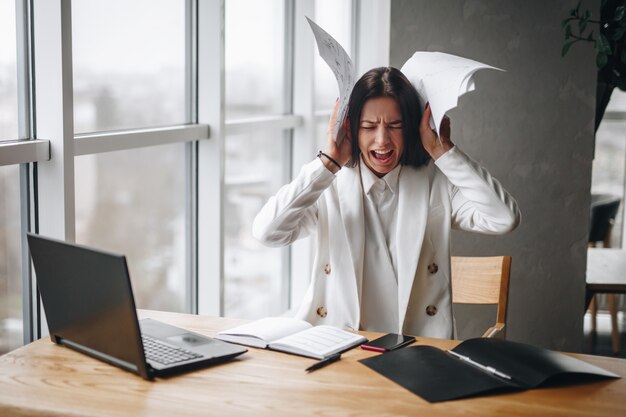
{"x":54,"y":116}
{"x":211,"y":82}
{"x":29,"y":316}
{"x":53,"y":119}
{"x":372,"y":35}
{"x":191,"y":159}
{"x":304,"y":136}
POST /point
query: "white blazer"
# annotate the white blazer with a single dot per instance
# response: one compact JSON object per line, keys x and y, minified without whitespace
{"x":452,"y":192}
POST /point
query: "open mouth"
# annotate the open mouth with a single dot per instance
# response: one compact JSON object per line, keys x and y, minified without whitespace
{"x":381,"y":156}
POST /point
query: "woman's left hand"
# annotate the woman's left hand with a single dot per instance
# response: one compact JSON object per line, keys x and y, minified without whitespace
{"x":435,"y":145}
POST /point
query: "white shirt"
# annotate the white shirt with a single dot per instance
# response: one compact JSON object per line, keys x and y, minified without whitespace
{"x":379,"y":294}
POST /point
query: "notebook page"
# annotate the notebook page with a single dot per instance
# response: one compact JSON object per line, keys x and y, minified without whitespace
{"x":318,"y":341}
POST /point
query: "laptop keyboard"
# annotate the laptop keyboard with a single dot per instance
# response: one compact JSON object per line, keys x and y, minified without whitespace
{"x":165,"y":354}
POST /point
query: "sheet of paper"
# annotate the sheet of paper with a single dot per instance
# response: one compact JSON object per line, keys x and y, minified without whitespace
{"x":441,"y":79}
{"x":342,"y":67}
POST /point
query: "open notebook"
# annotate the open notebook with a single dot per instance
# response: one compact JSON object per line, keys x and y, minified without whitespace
{"x":292,"y":336}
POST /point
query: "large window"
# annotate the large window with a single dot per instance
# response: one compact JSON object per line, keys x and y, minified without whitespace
{"x":8,"y":72}
{"x":130,"y":72}
{"x":253,"y":274}
{"x":129,"y":64}
{"x":159,"y":137}
{"x":254,"y":160}
{"x":255,"y":58}
{"x":11,"y":322}
{"x":10,"y":260}
{"x":133,"y":202}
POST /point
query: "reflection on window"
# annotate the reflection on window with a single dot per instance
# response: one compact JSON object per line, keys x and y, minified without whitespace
{"x":335,"y":17}
{"x":254,"y":57}
{"x":133,"y":202}
{"x":129,"y":64}
{"x":10,"y":260}
{"x":609,"y":164}
{"x":252,"y":271}
{"x":8,"y":72}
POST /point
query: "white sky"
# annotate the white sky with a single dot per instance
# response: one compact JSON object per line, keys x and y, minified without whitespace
{"x":139,"y":35}
{"x":7,"y":32}
{"x":128,"y":36}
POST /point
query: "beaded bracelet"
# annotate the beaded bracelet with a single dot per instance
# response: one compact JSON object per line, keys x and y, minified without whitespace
{"x":320,"y":153}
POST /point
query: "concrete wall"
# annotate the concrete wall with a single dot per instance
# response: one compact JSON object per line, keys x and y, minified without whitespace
{"x":532,"y":127}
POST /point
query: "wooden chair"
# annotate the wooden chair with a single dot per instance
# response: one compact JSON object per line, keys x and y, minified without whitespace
{"x":483,"y":280}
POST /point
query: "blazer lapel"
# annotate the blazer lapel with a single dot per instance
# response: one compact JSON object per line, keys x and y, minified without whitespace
{"x":413,"y":203}
{"x":351,"y":208}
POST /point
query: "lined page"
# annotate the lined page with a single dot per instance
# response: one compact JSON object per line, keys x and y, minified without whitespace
{"x":318,"y":341}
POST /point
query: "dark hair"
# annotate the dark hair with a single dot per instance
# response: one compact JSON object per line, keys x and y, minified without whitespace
{"x":389,"y":82}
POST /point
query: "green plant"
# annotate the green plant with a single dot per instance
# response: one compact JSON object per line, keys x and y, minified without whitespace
{"x":608,"y":34}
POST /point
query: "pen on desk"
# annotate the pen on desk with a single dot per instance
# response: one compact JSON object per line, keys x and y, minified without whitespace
{"x":324,"y":362}
{"x":489,"y":369}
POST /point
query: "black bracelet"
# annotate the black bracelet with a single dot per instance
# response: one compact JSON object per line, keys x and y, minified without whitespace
{"x":320,"y":153}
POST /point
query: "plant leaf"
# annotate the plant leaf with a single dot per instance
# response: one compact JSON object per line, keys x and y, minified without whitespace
{"x":619,"y":13}
{"x":618,"y":33}
{"x":601,"y":60}
{"x":568,"y":32}
{"x":603,"y":45}
{"x":623,"y":56}
{"x":582,"y":25}
{"x":566,"y":47}
{"x":565,"y":21}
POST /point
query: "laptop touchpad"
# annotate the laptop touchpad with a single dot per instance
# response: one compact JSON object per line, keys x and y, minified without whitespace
{"x":189,"y":339}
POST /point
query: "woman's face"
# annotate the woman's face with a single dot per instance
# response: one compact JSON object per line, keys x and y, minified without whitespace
{"x":380,"y":134}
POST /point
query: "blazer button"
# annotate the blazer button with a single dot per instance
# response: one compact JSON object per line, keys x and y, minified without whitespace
{"x":321,"y":311}
{"x":431,"y":310}
{"x":433,"y":268}
{"x":327,"y":269}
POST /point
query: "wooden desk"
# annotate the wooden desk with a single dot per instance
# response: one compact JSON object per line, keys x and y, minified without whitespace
{"x":44,"y":379}
{"x":606,"y":271}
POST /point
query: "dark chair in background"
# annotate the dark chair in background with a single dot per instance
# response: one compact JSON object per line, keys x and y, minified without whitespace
{"x":603,"y":212}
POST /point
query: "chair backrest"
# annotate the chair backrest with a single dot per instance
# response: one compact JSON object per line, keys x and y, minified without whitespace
{"x":603,"y":211}
{"x":482,"y":280}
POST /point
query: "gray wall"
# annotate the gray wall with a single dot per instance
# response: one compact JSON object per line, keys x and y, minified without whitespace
{"x":532,"y":127}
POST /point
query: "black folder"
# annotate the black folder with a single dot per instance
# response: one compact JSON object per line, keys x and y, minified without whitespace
{"x":479,"y":366}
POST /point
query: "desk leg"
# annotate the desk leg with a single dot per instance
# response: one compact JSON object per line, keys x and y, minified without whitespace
{"x":588,"y":298}
{"x":615,"y":342}
{"x":593,"y":310}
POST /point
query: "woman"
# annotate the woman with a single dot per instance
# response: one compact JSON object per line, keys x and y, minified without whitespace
{"x":381,"y":205}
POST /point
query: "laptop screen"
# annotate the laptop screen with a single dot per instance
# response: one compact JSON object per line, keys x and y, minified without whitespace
{"x":88,"y":299}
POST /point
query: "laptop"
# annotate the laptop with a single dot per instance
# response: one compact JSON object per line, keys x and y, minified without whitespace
{"x":89,"y":306}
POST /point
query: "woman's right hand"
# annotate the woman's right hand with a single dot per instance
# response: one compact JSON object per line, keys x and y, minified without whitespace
{"x":341,"y":153}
